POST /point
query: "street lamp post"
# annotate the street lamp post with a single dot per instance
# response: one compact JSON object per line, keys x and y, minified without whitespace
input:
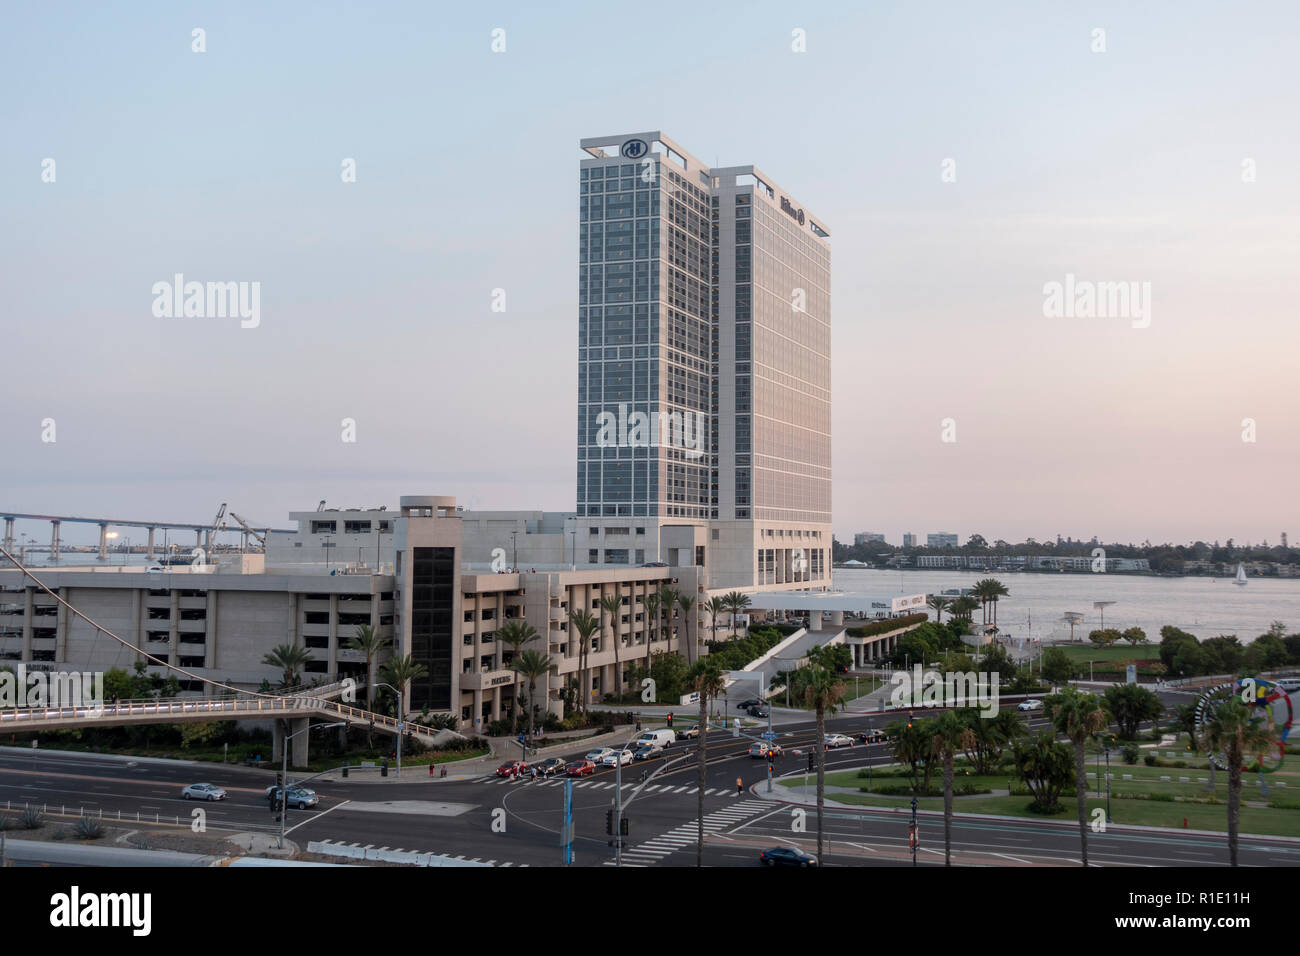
{"x":284,"y":770}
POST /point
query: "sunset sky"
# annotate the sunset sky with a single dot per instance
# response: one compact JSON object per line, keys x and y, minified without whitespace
{"x":1171,"y":158}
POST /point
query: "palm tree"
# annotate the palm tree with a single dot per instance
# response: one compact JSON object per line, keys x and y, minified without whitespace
{"x":585,"y":625}
{"x":399,"y":672}
{"x":996,"y":590}
{"x":668,"y":605}
{"x":686,"y":602}
{"x":822,"y":692}
{"x":290,"y":660}
{"x":706,"y":679}
{"x":370,"y":644}
{"x":983,"y":591}
{"x":950,"y":735}
{"x":714,"y":606}
{"x":962,"y":607}
{"x":1077,"y":716}
{"x":939,"y":603}
{"x":736,"y":602}
{"x":532,"y":665}
{"x":651,"y":604}
{"x":612,"y":605}
{"x":1232,"y":730}
{"x":516,"y":633}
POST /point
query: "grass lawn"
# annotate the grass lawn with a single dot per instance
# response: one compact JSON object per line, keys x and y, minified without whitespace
{"x":1113,"y":654}
{"x":1127,"y":803}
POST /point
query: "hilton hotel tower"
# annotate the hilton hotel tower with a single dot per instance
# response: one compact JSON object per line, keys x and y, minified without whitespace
{"x":703,"y":312}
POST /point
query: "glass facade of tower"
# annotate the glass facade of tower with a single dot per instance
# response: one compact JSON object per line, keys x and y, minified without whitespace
{"x":644,"y":341}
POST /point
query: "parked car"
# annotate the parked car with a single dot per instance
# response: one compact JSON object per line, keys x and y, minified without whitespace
{"x":550,"y":767}
{"x":658,"y":739}
{"x":786,"y":856}
{"x":643,"y":752}
{"x":838,"y":740}
{"x":598,"y":755}
{"x":616,"y":757}
{"x":580,"y":768}
{"x":300,"y":797}
{"x":690,"y":733}
{"x":1030,"y":704}
{"x":203,"y":791}
{"x":512,"y":768}
{"x":759,"y":749}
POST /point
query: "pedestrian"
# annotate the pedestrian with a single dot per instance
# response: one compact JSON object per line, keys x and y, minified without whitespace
{"x":740,"y":786}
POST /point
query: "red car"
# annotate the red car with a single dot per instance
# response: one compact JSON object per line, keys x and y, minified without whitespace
{"x":512,"y":768}
{"x":580,"y":768}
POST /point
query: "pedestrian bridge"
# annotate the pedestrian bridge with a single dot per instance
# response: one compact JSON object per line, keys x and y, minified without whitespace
{"x":298,"y":708}
{"x":878,"y":608}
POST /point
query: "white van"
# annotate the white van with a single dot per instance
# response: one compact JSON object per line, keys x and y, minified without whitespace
{"x":658,"y":739}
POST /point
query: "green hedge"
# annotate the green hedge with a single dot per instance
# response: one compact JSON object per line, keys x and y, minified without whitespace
{"x":884,"y":627}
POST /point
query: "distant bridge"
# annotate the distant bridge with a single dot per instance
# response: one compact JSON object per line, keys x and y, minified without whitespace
{"x":199,"y":528}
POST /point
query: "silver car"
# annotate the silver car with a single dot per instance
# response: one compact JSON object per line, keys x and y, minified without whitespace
{"x":615,"y":757}
{"x":300,"y":797}
{"x":203,"y":791}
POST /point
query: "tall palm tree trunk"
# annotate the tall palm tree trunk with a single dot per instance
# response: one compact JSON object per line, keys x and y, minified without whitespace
{"x":1234,"y":802}
{"x":947,"y":807}
{"x":701,"y":759}
{"x":1081,"y":797}
{"x":532,"y":686}
{"x":821,"y":776}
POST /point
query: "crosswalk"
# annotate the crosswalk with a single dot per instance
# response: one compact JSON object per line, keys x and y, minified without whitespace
{"x":652,"y":851}
{"x":660,"y":788}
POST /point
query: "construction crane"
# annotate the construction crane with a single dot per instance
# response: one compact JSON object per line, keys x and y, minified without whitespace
{"x":217,"y":525}
{"x":260,"y":538}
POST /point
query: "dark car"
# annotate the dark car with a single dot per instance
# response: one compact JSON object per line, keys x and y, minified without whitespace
{"x":757,"y":710}
{"x":644,"y":752}
{"x":550,"y":767}
{"x":786,"y":856}
{"x":752,"y":702}
{"x":872,"y":736}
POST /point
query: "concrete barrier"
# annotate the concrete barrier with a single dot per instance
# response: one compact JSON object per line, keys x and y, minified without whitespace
{"x":384,"y":855}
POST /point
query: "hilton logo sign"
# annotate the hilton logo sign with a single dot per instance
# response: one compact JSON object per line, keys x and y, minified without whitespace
{"x":794,"y":213}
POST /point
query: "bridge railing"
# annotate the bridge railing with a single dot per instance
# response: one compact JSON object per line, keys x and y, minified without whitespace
{"x":182,"y":706}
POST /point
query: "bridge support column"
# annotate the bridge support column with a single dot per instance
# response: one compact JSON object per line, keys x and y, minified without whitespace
{"x":54,"y":541}
{"x":837,"y":619}
{"x":298,"y":755}
{"x":198,"y":537}
{"x":151,"y":531}
{"x":9,"y":535}
{"x":103,"y":542}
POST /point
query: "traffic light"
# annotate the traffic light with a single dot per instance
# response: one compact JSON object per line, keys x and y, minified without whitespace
{"x":383,"y":767}
{"x":812,"y":760}
{"x":622,"y":827}
{"x":670,"y":718}
{"x":609,"y":822}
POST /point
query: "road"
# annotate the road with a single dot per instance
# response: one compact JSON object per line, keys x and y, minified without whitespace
{"x":517,"y":822}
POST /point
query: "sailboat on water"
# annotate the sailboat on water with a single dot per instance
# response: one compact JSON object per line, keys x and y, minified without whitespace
{"x":1241,"y":574}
